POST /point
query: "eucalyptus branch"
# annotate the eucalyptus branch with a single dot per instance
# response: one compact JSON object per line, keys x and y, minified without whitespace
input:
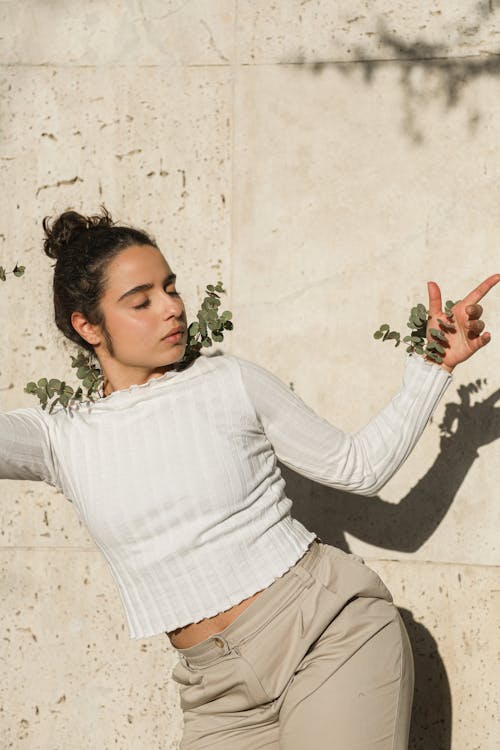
{"x":208,"y":327}
{"x":17,"y":271}
{"x":417,"y":340}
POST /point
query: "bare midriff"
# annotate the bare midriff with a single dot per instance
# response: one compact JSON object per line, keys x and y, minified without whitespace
{"x":195,"y":632}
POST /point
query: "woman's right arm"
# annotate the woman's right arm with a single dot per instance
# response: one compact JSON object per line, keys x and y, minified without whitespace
{"x":25,"y":446}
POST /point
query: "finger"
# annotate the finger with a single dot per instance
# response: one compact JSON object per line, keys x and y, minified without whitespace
{"x":481,"y":341}
{"x":484,"y":339}
{"x":435,"y":302}
{"x":474,"y":311}
{"x":475,"y":327}
{"x":482,"y":289}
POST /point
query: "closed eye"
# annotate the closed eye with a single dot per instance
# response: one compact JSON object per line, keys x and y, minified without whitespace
{"x":147,"y":302}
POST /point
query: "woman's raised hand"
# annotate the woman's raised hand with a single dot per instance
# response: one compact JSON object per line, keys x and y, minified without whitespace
{"x":464,"y":333}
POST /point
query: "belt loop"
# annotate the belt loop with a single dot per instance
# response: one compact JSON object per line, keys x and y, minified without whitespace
{"x":304,"y":574}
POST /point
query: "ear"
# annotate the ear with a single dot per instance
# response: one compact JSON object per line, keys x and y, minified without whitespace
{"x":88,"y":331}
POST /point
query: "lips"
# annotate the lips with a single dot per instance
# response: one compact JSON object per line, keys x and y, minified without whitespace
{"x":178,"y":329}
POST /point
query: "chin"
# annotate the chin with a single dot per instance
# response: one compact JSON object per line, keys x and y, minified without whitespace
{"x":177,"y":355}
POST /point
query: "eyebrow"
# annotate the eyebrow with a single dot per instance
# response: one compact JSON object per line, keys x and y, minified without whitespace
{"x":144,"y":287}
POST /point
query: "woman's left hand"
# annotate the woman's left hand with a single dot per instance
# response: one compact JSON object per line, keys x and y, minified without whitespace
{"x":466,"y":337}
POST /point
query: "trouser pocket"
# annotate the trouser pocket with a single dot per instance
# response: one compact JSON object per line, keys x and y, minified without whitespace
{"x":347,"y":575}
{"x":336,"y":579}
{"x":226,"y":684}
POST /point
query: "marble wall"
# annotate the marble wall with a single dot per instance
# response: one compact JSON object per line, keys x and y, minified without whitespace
{"x":324,"y":160}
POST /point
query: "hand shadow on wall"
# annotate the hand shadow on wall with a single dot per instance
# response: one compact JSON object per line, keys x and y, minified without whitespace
{"x":405,"y":527}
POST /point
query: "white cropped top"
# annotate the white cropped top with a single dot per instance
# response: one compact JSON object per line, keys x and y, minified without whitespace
{"x":177,"y":482}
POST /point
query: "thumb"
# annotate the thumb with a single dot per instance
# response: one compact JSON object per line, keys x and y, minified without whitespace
{"x":435,"y":301}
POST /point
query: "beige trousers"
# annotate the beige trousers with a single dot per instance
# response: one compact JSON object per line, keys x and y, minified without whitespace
{"x":321,"y":659}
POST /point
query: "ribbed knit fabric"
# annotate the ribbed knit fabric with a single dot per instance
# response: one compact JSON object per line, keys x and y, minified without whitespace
{"x":177,"y":483}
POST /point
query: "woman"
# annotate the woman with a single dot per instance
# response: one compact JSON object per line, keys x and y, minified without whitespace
{"x":283,"y":641}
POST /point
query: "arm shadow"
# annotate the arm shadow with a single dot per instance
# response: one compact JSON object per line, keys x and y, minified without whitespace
{"x":404,"y":527}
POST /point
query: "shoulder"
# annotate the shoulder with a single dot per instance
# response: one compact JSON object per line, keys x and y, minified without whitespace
{"x":251,"y":371}
{"x":232,"y":363}
{"x":232,"y":368}
{"x":219,"y":362}
{"x":33,"y":416}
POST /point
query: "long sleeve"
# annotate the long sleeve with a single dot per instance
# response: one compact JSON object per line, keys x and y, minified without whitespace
{"x":361,"y":462}
{"x":25,"y":447}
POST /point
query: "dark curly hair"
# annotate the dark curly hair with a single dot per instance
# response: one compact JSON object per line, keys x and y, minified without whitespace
{"x":83,"y":247}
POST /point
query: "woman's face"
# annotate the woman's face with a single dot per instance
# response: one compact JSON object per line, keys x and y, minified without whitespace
{"x":141,"y":306}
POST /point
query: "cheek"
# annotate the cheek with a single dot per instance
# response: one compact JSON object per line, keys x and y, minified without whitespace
{"x":131,"y":324}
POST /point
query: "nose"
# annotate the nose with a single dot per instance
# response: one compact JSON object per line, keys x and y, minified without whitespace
{"x":172,"y":305}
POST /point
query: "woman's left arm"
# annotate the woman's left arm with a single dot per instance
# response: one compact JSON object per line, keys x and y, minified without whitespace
{"x":364,"y":461}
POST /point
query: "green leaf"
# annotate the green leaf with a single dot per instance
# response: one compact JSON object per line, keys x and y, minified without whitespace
{"x":434,"y":356}
{"x":82,"y":372}
{"x":446,"y":325}
{"x":422,"y":311}
{"x":438,"y":334}
{"x":378,"y":335}
{"x":393,"y":335}
{"x":437,"y":347}
{"x":203,"y":325}
{"x":384,"y":327}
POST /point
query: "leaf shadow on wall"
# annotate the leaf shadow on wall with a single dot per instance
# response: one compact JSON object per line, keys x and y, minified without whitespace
{"x":428,"y":71}
{"x":404,"y":527}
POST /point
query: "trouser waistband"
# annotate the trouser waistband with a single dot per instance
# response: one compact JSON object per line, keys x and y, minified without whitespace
{"x":276,"y":596}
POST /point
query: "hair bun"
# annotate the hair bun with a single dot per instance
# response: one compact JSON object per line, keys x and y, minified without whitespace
{"x":68,"y":228}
